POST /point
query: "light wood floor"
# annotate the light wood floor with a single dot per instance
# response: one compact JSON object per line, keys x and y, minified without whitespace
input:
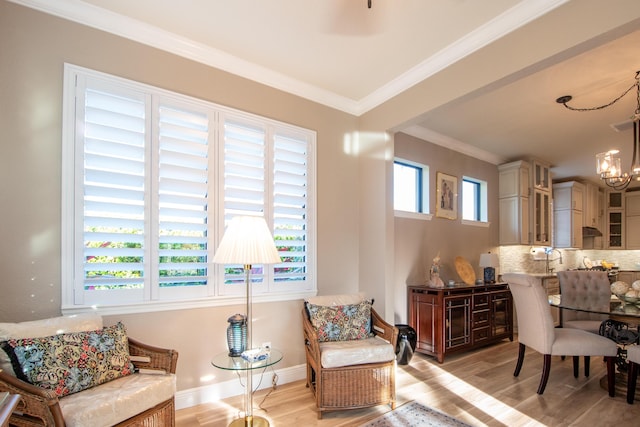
{"x":477,"y":387}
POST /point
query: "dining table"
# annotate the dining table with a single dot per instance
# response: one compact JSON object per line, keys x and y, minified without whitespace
{"x":620,"y":311}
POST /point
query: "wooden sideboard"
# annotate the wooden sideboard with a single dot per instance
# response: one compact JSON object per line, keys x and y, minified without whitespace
{"x":460,"y":317}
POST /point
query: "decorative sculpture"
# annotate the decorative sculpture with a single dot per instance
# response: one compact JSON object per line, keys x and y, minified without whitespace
{"x":434,"y":272}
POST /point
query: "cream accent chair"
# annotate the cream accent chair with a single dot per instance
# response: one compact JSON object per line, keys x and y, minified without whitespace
{"x":589,"y":290}
{"x":350,"y":374}
{"x":536,"y":330}
{"x":145,"y":398}
{"x":633,"y":357}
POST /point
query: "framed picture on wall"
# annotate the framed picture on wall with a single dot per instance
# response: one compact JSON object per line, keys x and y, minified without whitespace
{"x":446,"y":196}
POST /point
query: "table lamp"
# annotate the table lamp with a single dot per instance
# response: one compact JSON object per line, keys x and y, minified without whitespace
{"x":489,"y":261}
{"x":247,"y":241}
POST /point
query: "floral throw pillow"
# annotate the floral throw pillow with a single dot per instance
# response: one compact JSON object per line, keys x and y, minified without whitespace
{"x":71,"y":362}
{"x":341,"y":322}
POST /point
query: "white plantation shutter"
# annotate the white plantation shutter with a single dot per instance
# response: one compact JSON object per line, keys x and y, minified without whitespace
{"x":244,"y":187}
{"x":183,"y":197}
{"x":290,"y":206}
{"x":113,"y":204}
{"x":151,"y":177}
{"x":244,"y":169}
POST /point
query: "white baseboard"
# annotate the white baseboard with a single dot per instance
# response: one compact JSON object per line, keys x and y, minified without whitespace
{"x":218,"y":391}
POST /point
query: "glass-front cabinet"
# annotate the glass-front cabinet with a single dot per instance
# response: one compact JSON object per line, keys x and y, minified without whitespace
{"x":541,"y":176}
{"x":457,"y":332}
{"x":614,"y":230}
{"x":542,"y":217}
{"x":615,"y":220}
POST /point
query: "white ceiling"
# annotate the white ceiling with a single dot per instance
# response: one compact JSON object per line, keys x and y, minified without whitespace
{"x":342,"y":54}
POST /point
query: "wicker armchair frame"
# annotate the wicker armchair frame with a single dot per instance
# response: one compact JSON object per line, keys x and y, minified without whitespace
{"x":40,"y":407}
{"x":350,"y":387}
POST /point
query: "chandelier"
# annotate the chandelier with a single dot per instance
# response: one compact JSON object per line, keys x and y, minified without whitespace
{"x":608,"y":164}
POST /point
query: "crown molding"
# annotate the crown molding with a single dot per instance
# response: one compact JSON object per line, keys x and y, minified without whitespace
{"x":514,"y":18}
{"x":104,"y":20}
{"x":453,"y":144}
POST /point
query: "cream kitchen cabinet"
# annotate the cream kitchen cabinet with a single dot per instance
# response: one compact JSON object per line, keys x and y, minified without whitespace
{"x":525,"y":203}
{"x":513,"y":193}
{"x":542,"y":202}
{"x":591,"y":209}
{"x":615,"y":220}
{"x":568,"y":200}
{"x":632,"y":225}
{"x":541,"y":176}
{"x":541,"y":217}
{"x":593,"y":216}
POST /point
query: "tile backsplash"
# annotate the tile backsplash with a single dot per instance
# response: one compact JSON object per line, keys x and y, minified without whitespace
{"x":520,"y":259}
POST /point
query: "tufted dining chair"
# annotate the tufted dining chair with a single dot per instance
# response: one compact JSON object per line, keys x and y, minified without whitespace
{"x":536,"y":330}
{"x":589,"y":290}
{"x":633,"y":357}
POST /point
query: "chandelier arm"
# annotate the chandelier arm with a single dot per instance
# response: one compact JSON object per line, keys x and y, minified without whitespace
{"x":635,"y":160}
{"x":618,"y":184}
{"x":564,"y":99}
{"x":608,"y":165}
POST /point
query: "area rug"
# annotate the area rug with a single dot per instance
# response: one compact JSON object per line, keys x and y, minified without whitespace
{"x":414,"y":414}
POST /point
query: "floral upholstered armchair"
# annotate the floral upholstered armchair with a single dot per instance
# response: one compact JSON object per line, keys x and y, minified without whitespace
{"x":350,"y":353}
{"x":72,"y":371}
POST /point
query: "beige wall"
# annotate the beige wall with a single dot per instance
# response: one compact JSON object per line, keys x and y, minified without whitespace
{"x":33,"y":49}
{"x":417,"y":242}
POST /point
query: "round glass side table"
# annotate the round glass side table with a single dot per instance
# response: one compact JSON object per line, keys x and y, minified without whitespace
{"x":229,"y":363}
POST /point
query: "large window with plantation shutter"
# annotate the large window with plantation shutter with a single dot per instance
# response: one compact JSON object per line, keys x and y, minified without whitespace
{"x":150,"y":178}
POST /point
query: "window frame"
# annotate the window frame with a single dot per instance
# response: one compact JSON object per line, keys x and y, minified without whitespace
{"x":480,"y":199}
{"x":421,"y":190}
{"x":217,"y":293}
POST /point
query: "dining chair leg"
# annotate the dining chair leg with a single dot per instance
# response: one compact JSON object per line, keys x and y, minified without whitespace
{"x":587,"y":363}
{"x":521,"y":349}
{"x":631,"y":381}
{"x":546,"y":367}
{"x":576,"y":366}
{"x":611,"y":375}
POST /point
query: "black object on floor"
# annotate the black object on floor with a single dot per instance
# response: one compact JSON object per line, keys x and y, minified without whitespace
{"x":406,"y":345}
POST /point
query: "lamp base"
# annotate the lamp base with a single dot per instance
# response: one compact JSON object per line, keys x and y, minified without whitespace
{"x":489,"y":275}
{"x":249,"y":422}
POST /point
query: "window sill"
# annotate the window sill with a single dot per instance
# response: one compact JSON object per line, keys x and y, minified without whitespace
{"x":155,"y":306}
{"x":483,"y":224}
{"x":413,"y":215}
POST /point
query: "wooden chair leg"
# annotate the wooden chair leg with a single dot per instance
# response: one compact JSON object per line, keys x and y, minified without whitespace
{"x":521,"y":349}
{"x":576,"y":366}
{"x":546,"y":367}
{"x":587,"y":362}
{"x":611,"y":375}
{"x":631,"y":381}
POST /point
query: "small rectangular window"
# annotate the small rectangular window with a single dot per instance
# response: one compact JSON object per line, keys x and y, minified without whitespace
{"x":410,"y":187}
{"x":474,"y":199}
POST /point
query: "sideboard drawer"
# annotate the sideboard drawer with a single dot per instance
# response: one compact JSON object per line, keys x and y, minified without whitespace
{"x":480,"y":319}
{"x":481,"y":302}
{"x":480,"y":335}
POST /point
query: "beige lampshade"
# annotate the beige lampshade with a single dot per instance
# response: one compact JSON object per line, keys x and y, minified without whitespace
{"x":489,"y":260}
{"x":247,"y":240}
